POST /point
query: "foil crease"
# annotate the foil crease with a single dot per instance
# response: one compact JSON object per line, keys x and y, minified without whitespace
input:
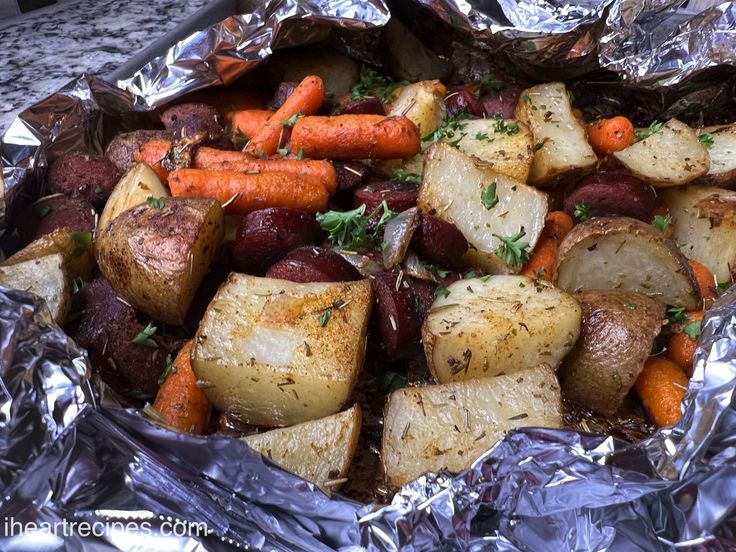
{"x":70,"y":453}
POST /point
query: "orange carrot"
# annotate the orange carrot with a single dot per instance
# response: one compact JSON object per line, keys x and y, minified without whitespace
{"x":242,"y":193}
{"x":706,"y":282}
{"x":153,"y":153}
{"x":211,"y":158}
{"x":180,"y":402}
{"x":609,"y":135}
{"x":542,"y":262}
{"x":306,"y":99}
{"x":661,"y":387}
{"x":681,"y":347}
{"x":248,"y":123}
{"x":355,"y":137}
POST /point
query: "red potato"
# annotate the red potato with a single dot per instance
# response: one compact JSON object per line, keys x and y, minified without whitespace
{"x":439,"y":242}
{"x":504,"y":104}
{"x":362,"y":106}
{"x":399,"y":196}
{"x":266,"y":236}
{"x":460,"y":99}
{"x":610,"y":194}
{"x":313,"y":264}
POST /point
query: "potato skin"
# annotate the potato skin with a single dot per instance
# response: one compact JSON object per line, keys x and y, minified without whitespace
{"x":618,"y":331}
{"x":156,"y":258}
{"x":610,"y":194}
{"x":123,"y":147}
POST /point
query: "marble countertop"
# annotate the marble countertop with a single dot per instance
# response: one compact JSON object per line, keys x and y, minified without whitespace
{"x":45,"y":49}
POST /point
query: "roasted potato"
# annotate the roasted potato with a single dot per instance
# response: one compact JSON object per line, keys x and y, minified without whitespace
{"x":452,"y":188}
{"x":505,"y":146}
{"x":72,"y":245}
{"x":134,"y":188}
{"x":277,"y":353}
{"x":339,"y":73}
{"x":123,"y":147}
{"x":45,"y":276}
{"x":319,"y":450}
{"x":672,"y":156}
{"x":501,"y":325}
{"x":155,"y":258}
{"x":627,"y":254}
{"x":617,"y":335}
{"x":422,"y":104}
{"x":722,"y":170}
{"x":406,"y":58}
{"x":704,"y":221}
{"x":446,"y":427}
{"x":562,"y":152}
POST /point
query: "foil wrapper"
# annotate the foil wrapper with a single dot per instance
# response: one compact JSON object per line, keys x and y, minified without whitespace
{"x":72,"y":454}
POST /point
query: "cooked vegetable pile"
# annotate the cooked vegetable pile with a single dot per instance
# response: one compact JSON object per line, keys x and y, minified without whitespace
{"x":254,"y":264}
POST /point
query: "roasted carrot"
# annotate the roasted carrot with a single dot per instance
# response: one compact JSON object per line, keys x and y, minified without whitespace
{"x":681,"y":344}
{"x":241,"y":193}
{"x":211,"y":158}
{"x":245,"y":124}
{"x":542,"y":262}
{"x":355,"y":137}
{"x":609,"y":135}
{"x":706,"y":282}
{"x":661,"y":387}
{"x":306,"y":99}
{"x":180,"y":402}
{"x":153,"y":153}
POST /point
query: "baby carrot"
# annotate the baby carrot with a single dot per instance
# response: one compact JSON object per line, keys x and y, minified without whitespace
{"x":608,"y":135}
{"x":211,"y":158}
{"x":706,"y":282}
{"x":542,"y":262}
{"x":306,"y":99}
{"x":661,"y":387}
{"x":355,"y":137}
{"x":153,"y":153}
{"x":241,"y":193}
{"x":245,"y":124}
{"x":681,"y":345}
{"x":180,"y":402}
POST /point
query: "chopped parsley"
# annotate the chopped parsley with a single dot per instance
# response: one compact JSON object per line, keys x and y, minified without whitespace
{"x":488,"y":85}
{"x":349,"y":229}
{"x":155,"y":202}
{"x":370,"y":83}
{"x":442,"y":291}
{"x":655,"y":127}
{"x":706,"y":140}
{"x":450,"y":130}
{"x":582,"y":212}
{"x":288,"y":123}
{"x":144,"y":337}
{"x":239,"y":139}
{"x":167,"y":371}
{"x":405,"y":176}
{"x":324,"y":318}
{"x":513,"y":251}
{"x":693,"y":330}
{"x":82,"y":241}
{"x":488,"y":196}
{"x":662,"y":223}
{"x":676,"y":315}
{"x":502,"y":128}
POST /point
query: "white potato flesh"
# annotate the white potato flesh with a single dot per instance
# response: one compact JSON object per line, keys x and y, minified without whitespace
{"x":422,"y":104}
{"x":502,"y":325}
{"x":505,"y":146}
{"x":447,"y":427}
{"x":451,"y":188}
{"x":562,"y":151}
{"x":704,"y":223}
{"x":672,"y":156}
{"x":626,"y":254}
{"x":133,"y":188}
{"x":320,"y":451}
{"x":45,"y":276}
{"x":722,"y":154}
{"x":269,"y":354}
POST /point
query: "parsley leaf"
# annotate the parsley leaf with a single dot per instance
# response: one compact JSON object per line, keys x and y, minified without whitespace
{"x":502,"y":128}
{"x":441,"y":291}
{"x":655,"y":127}
{"x":706,"y":140}
{"x":391,"y":381}
{"x":155,"y":202}
{"x":408,"y":177}
{"x":324,"y":318}
{"x":693,"y":330}
{"x":288,"y":123}
{"x":349,"y":229}
{"x":167,"y":371}
{"x":582,"y":212}
{"x":629,"y":305}
{"x":144,"y":337}
{"x":370,"y":83}
{"x":239,"y":139}
{"x":282,"y":151}
{"x":480,"y":136}
{"x":82,"y":241}
{"x":676,"y":315}
{"x":449,"y":130}
{"x":514,"y":252}
{"x":662,"y":223}
{"x":488,"y":196}
{"x":300,"y":153}
{"x":488,"y":84}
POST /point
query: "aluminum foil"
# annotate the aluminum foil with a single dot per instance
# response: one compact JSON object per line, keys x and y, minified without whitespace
{"x":72,"y":454}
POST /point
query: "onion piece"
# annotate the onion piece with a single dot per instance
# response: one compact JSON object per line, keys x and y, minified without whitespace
{"x":414,"y":267}
{"x":364,"y":264}
{"x":397,"y":235}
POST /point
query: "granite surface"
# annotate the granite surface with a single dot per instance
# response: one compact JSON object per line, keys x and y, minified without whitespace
{"x":45,"y":49}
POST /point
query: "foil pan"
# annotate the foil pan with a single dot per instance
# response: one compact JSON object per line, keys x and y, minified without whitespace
{"x":72,"y":455}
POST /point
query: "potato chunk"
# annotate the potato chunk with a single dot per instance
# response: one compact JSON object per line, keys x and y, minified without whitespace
{"x":45,"y":276}
{"x":319,"y":450}
{"x":78,"y":256}
{"x":277,"y":353}
{"x":133,"y":188}
{"x":562,"y":152}
{"x":627,"y":254}
{"x":672,"y":156}
{"x":155,"y":258}
{"x":506,"y":146}
{"x":451,"y":188}
{"x":422,"y":104}
{"x":502,"y":325}
{"x":704,"y":220}
{"x":446,"y":427}
{"x":722,"y":154}
{"x":619,"y":328}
